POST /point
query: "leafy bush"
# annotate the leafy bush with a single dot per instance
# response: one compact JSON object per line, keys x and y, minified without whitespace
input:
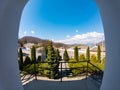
{"x":77,"y":68}
{"x":39,"y":59}
{"x":82,"y":57}
{"x":27,"y":61}
{"x":93,"y":58}
{"x":43,"y":69}
{"x":29,"y":69}
{"x":103,"y":60}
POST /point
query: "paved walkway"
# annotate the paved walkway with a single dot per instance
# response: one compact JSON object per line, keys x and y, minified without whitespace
{"x":57,"y":85}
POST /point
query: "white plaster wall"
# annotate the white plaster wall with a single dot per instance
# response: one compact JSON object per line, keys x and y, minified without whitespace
{"x":10,"y":14}
{"x":110,"y":12}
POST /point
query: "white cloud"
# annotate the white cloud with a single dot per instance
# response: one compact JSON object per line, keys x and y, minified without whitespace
{"x":76,"y":31}
{"x":89,"y":37}
{"x":52,"y":39}
{"x":68,"y":36}
{"x":33,"y":32}
{"x":25,"y":32}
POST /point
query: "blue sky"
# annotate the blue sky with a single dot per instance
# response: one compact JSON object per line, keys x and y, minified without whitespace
{"x":67,"y":21}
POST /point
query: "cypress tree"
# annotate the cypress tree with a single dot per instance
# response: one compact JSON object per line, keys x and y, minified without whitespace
{"x":33,"y":58}
{"x":21,"y":64}
{"x":46,"y":51}
{"x":76,"y":54}
{"x":58,"y":55}
{"x":53,"y":63}
{"x":88,"y":54}
{"x":65,"y":56}
{"x":33,"y":54}
{"x":99,"y":54}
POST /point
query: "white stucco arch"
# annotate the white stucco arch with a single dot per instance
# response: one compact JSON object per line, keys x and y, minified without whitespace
{"x":10,"y":14}
{"x":110,"y":13}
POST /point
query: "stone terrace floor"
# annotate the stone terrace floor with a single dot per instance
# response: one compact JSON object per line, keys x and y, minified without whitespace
{"x":82,"y":84}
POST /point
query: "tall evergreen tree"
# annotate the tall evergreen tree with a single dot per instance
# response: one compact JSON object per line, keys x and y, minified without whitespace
{"x":21,"y":63}
{"x":53,"y":63}
{"x":88,"y":54}
{"x":76,"y":54}
{"x":99,"y":54}
{"x":65,"y":56}
{"x":46,"y":51}
{"x":58,"y":55}
{"x":33,"y":58}
{"x":33,"y":54}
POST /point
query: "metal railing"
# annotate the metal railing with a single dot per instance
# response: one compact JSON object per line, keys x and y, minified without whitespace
{"x":26,"y":75}
{"x":90,"y":70}
{"x":95,"y":73}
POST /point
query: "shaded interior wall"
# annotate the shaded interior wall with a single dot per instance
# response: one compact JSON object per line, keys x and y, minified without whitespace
{"x":110,"y":13}
{"x":10,"y":14}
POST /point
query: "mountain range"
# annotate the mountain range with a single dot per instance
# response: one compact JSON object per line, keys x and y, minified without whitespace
{"x":41,"y":42}
{"x":44,"y":42}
